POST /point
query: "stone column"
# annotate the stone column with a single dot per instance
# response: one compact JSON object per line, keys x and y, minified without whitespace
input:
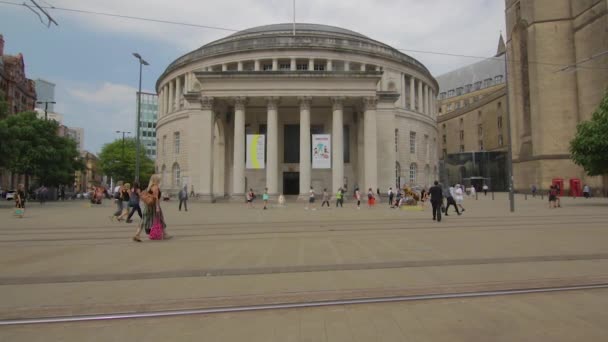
{"x":311,"y":64}
{"x":432,"y":103}
{"x":272,"y":150}
{"x":171,"y":104}
{"x":412,"y":93}
{"x":161,"y":95}
{"x":337,"y":133}
{"x":370,"y":152}
{"x":224,"y":67}
{"x":239,"y":66}
{"x":275,"y":64}
{"x":178,"y":91}
{"x":293,"y":66}
{"x":202,"y":117}
{"x":330,"y":65}
{"x":426,"y":100}
{"x":167,"y":99}
{"x":256,"y":65}
{"x":420,"y":98}
{"x":362,"y":68}
{"x":238,"y":162}
{"x":305,"y":147}
{"x":346,"y":66}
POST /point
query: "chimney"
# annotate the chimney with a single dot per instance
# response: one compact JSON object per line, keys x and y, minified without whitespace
{"x":1,"y":45}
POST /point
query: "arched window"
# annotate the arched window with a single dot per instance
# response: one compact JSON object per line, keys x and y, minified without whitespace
{"x":413,"y":171}
{"x":176,"y":176}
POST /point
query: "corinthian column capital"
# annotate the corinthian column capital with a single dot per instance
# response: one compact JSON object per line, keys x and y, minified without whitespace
{"x":337,"y":102}
{"x":272,"y":102}
{"x":370,"y":103}
{"x":206,"y":102}
{"x":305,"y":102}
{"x":240,"y":102}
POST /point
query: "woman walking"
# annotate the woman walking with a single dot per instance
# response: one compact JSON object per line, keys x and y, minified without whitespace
{"x":250,"y":197}
{"x":20,"y":201}
{"x":370,"y":198}
{"x":358,"y":198}
{"x":459,"y":196}
{"x":152,"y":211}
{"x":125,"y":199}
{"x":325,"y":198}
{"x":265,"y":198}
{"x":134,"y":202}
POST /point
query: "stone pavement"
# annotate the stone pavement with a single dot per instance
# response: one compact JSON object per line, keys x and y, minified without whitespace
{"x":69,"y":258}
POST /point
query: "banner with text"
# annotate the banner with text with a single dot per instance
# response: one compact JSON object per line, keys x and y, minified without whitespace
{"x":321,"y":151}
{"x":255,"y":151}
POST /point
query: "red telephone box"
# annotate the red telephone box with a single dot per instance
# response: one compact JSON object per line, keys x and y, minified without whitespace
{"x":559,"y":182}
{"x":575,"y":187}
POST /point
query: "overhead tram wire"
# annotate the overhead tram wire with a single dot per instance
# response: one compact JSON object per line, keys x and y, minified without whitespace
{"x":162,"y":21}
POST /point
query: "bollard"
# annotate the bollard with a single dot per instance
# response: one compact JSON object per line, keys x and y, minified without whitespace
{"x":492,"y":195}
{"x":476,"y":196}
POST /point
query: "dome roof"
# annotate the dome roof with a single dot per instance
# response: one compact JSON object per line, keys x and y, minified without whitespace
{"x":275,"y":28}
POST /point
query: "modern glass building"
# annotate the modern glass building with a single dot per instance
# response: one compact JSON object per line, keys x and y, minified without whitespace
{"x":149,"y":115}
{"x":475,"y":168}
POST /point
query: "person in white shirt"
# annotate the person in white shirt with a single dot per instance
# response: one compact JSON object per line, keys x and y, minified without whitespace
{"x":473,"y":191}
{"x":586,"y":191}
{"x":485,"y":189}
{"x":459,"y":197}
{"x":311,"y":199}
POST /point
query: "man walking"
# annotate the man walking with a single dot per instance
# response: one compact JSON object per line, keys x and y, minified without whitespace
{"x":183,"y":198}
{"x":340,"y":198}
{"x":391,"y":195}
{"x":436,"y":201}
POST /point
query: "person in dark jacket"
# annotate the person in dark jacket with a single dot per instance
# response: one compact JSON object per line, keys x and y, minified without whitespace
{"x":436,"y":194}
{"x":183,"y":198}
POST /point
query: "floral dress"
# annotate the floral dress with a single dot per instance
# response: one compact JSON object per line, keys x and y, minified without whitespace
{"x":149,"y":213}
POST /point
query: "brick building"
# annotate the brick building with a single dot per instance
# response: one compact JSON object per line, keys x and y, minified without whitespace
{"x":20,"y":92}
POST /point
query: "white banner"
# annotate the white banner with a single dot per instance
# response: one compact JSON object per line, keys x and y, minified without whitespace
{"x":321,"y":151}
{"x":255,"y":151}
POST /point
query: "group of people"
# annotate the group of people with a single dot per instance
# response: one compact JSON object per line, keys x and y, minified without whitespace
{"x":454,"y":196}
{"x":129,"y":200}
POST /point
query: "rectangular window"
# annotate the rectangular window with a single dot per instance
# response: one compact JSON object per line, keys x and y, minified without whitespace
{"x":480,"y":130}
{"x":176,"y":142}
{"x":302,"y":66}
{"x":445,"y":140}
{"x":267,"y":67}
{"x":459,"y":91}
{"x":477,"y":85}
{"x":412,"y":142}
{"x":319,"y":67}
{"x":500,"y":122}
{"x":461,"y":135}
{"x":284,"y":66}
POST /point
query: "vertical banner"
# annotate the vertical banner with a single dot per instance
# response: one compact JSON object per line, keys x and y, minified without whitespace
{"x":321,"y":151}
{"x":255,"y":151}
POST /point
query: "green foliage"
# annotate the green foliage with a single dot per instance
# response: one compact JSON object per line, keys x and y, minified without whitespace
{"x":589,"y":148}
{"x":3,"y":107}
{"x":31,"y":146}
{"x":117,"y":160}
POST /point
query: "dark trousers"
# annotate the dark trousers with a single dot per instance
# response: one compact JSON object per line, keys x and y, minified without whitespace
{"x":135,"y":208}
{"x":322,"y":204}
{"x":390,"y":200}
{"x":185,"y":202}
{"x":436,"y":210}
{"x":340,"y":201}
{"x":450,"y":203}
{"x":118,"y":208}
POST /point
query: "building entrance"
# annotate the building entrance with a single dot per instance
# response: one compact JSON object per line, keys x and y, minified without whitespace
{"x":291,"y":183}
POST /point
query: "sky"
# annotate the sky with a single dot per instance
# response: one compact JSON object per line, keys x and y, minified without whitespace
{"x":89,"y":57}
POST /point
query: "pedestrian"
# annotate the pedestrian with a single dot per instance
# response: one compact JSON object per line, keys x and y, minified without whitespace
{"x":473,"y":190}
{"x":424,"y":196}
{"x":183,"y":198}
{"x":459,"y":197}
{"x":281,"y":200}
{"x":125,"y":199}
{"x":250,"y":197}
{"x":311,"y":199}
{"x":20,"y":200}
{"x":62,"y":193}
{"x":391,"y":196}
{"x":485,"y":189}
{"x":370,"y":198}
{"x":379,"y":197}
{"x":265,"y":198}
{"x":358,"y":198}
{"x":450,"y":201}
{"x":552,"y":197}
{"x":340,"y":198}
{"x":436,"y":201}
{"x":325,"y":198}
{"x":533,"y":189}
{"x":134,"y":202}
{"x":586,"y":191}
{"x":153,"y":213}
{"x":191,"y":190}
{"x":117,"y":200}
{"x":558,"y":194}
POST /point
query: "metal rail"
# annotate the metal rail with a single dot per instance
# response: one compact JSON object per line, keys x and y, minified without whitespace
{"x":171,"y":313}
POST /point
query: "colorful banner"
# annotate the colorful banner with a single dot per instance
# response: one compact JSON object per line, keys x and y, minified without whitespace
{"x":321,"y":151}
{"x":255,"y":151}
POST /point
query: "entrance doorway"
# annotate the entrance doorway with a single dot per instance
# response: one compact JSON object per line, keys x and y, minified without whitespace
{"x":291,"y":183}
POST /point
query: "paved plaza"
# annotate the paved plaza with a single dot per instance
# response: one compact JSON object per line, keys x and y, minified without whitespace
{"x":67,"y":258}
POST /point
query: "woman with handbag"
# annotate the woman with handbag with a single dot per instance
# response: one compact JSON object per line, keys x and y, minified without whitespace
{"x":153,"y":221}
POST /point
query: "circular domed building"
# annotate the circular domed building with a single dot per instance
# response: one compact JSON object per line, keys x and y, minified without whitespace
{"x":326,"y":107}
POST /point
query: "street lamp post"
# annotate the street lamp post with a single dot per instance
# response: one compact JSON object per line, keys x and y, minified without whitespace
{"x":46,"y":107}
{"x":142,"y":62}
{"x":123,"y":142}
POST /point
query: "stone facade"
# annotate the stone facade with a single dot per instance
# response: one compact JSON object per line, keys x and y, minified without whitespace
{"x":368,"y":96}
{"x":548,"y":100}
{"x":19,"y":91}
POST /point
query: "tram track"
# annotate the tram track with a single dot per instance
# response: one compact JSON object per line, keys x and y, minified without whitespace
{"x":298,"y":304}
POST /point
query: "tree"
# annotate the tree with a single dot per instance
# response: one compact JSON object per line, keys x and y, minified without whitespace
{"x":589,"y":148}
{"x":3,"y":106}
{"x":32,"y":147}
{"x":117,"y":160}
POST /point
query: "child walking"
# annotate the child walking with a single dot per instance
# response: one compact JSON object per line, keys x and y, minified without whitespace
{"x":265,"y":198}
